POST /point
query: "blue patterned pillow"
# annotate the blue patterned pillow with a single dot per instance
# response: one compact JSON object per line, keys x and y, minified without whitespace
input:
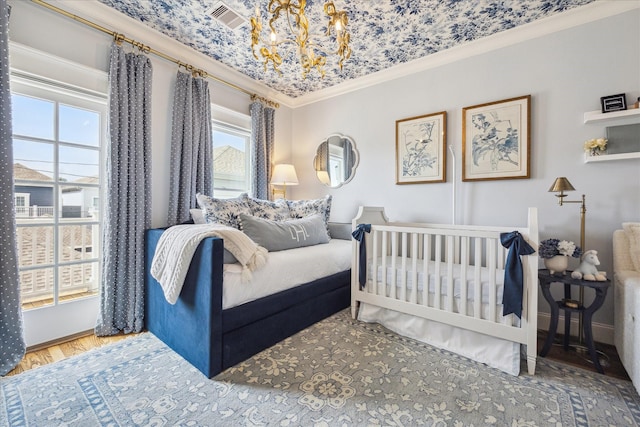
{"x":277,"y":210}
{"x":303,"y":208}
{"x":224,"y":211}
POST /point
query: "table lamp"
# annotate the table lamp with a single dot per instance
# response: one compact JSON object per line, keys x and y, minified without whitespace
{"x":284,"y":174}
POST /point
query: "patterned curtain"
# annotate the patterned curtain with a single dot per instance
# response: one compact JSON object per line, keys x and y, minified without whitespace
{"x":13,"y":346}
{"x":322,"y":157}
{"x":128,"y":198}
{"x":191,"y":147}
{"x":262,"y":135}
{"x":347,"y":158}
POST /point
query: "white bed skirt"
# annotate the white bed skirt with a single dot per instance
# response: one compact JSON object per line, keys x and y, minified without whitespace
{"x":495,"y":352}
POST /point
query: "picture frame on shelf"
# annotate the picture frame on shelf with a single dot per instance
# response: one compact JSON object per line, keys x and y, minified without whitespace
{"x":496,"y":140}
{"x":421,"y":155}
{"x":613,"y":103}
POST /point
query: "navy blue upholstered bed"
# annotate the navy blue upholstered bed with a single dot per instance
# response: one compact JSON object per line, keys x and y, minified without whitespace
{"x":213,"y":339}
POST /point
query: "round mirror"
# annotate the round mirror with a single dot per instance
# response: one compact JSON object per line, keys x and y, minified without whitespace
{"x":336,"y":160}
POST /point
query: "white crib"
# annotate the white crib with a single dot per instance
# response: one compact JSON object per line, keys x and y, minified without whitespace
{"x":459,"y":261}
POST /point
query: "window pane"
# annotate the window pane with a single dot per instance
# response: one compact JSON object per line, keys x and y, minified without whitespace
{"x":36,"y":287}
{"x":76,"y":202}
{"x":78,"y":280}
{"x":32,"y":161}
{"x":78,"y":165}
{"x":35,"y":245}
{"x":229,"y":163}
{"x":34,"y":203}
{"x":78,"y":242}
{"x":32,"y":116}
{"x":79,"y":126}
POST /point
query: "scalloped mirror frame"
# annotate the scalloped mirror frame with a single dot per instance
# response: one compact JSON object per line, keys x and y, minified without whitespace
{"x":335,"y":142}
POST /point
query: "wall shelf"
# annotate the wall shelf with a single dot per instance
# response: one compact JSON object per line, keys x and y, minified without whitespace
{"x":597,"y":116}
{"x":619,"y":118}
{"x":609,"y":157}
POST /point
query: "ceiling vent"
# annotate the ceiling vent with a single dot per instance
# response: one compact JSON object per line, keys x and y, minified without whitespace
{"x":227,"y":16}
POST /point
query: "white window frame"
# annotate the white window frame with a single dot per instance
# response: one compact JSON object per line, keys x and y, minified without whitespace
{"x":25,"y":207}
{"x":241,"y":132}
{"x":27,"y":84}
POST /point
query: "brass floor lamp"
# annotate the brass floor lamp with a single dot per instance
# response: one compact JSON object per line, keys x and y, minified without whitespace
{"x":560,"y":185}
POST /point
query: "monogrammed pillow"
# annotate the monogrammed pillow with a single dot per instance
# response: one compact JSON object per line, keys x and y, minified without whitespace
{"x":281,"y":235}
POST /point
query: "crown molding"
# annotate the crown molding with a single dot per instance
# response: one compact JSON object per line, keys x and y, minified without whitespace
{"x":600,"y":9}
{"x":113,"y":20}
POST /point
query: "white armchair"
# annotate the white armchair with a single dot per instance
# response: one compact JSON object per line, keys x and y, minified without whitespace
{"x":626,"y":269}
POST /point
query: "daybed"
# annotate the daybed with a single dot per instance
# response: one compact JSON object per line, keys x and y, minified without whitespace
{"x":626,"y":279}
{"x":214,"y":330}
{"x":466,"y":262}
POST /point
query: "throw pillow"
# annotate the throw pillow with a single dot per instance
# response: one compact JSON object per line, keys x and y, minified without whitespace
{"x":303,"y":208}
{"x":281,"y":235}
{"x":224,"y":211}
{"x":197,"y":215}
{"x":277,"y":210}
{"x":632,"y":230}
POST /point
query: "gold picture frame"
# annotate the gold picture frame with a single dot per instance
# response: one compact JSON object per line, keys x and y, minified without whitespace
{"x":421,"y":155}
{"x":496,"y":140}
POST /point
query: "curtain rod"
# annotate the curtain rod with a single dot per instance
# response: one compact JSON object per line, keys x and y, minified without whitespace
{"x":119,"y":38}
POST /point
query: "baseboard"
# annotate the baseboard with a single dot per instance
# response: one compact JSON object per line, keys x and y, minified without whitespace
{"x":602,"y":333}
{"x":59,"y":341}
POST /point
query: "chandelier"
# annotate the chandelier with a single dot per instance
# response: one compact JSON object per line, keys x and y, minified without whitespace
{"x":296,"y":26}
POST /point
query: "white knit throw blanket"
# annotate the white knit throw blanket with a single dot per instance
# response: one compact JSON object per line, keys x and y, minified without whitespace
{"x":178,"y":244}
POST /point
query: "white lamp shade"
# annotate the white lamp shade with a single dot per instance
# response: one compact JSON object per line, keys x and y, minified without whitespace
{"x":284,"y":174}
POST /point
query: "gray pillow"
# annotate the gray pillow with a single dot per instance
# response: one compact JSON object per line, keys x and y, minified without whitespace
{"x":281,"y":235}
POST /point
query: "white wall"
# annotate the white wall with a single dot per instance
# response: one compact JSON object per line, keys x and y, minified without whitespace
{"x":565,"y":73}
{"x":36,"y":27}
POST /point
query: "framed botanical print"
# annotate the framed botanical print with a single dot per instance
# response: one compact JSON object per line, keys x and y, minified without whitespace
{"x":496,"y":140}
{"x":420,"y":149}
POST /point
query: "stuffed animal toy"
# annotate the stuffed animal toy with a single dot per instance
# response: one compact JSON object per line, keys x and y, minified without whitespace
{"x":587,"y":269}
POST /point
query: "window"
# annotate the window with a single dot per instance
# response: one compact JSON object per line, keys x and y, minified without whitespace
{"x":22,"y":204}
{"x":231,"y":149}
{"x":57,"y":135}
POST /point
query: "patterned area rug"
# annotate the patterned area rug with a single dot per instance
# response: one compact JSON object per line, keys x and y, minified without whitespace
{"x":337,"y":372}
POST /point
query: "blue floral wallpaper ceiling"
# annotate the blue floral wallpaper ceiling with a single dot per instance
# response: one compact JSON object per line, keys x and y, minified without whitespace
{"x":384,"y":33}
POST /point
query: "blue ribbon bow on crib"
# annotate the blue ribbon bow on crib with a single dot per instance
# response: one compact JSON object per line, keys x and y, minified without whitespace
{"x":513,"y":280}
{"x":358,"y":234}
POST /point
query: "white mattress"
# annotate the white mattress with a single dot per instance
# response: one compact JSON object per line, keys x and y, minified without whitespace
{"x":284,"y":270}
{"x":431,"y":265}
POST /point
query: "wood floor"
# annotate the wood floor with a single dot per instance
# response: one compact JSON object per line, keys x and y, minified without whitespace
{"x":48,"y":354}
{"x":42,"y":356}
{"x":609,"y":359}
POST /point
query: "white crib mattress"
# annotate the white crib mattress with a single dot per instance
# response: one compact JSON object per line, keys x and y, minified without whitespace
{"x":284,"y":270}
{"x":485,"y":276}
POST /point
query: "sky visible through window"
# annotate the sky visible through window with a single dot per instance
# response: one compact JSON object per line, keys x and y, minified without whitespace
{"x":36,"y":118}
{"x":221,"y":139}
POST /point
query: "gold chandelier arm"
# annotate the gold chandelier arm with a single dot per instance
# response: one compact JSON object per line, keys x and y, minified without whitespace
{"x":310,"y":54}
{"x":344,"y":51}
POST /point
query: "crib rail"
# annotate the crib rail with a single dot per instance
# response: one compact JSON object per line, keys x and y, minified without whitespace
{"x":447,"y":273}
{"x":407,"y":256}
